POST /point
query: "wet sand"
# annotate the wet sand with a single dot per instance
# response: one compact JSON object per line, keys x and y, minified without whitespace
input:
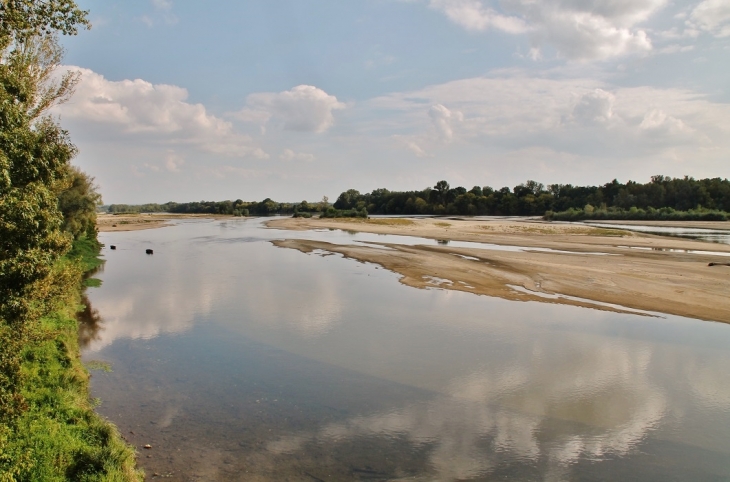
{"x":134,"y":222}
{"x":604,"y":266}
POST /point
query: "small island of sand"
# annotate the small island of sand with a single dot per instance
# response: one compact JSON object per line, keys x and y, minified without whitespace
{"x":602,"y":268}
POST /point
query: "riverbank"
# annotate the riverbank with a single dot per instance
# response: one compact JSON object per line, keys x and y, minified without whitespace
{"x":134,"y":222}
{"x":602,"y":268}
{"x":58,"y":436}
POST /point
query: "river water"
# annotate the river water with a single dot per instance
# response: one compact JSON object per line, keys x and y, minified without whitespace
{"x":238,"y":360}
{"x":721,"y":236}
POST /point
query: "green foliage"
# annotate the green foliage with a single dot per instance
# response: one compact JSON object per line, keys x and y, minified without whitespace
{"x":22,"y":19}
{"x":59,"y":437}
{"x":98,"y":365}
{"x":34,"y":154}
{"x":349,"y":213}
{"x":85,"y":250}
{"x":48,"y":430}
{"x":528,"y":199}
{"x":535,"y":199}
{"x":78,"y":203}
{"x":637,"y":214}
{"x":92,"y":283}
{"x":267,"y":207}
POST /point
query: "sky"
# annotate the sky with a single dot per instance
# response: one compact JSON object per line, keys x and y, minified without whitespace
{"x":299,"y":99}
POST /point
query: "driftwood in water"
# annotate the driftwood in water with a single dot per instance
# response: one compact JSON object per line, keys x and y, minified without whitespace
{"x":149,"y":251}
{"x":719,"y":264}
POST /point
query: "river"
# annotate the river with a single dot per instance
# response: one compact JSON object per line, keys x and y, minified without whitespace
{"x":237,"y":360}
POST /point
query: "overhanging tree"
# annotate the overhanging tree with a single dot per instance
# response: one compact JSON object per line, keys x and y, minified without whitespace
{"x":34,"y":157}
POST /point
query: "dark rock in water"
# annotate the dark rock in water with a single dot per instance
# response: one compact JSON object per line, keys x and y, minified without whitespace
{"x":114,"y":225}
{"x":719,"y":264}
{"x":112,"y":247}
{"x":149,"y":251}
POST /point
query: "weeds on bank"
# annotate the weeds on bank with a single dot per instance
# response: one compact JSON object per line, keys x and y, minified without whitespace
{"x":564,"y":230}
{"x":390,"y":222}
{"x":57,"y":435}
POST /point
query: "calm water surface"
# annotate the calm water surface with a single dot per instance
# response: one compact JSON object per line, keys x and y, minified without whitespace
{"x":721,"y":236}
{"x":237,"y":360}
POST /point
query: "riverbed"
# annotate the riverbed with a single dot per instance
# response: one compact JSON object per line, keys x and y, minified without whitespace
{"x":235,"y":359}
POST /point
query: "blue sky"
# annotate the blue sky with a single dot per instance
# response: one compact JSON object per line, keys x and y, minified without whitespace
{"x":296,"y":99}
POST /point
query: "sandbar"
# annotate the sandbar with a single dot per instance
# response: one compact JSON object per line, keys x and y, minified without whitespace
{"x":601,"y":268}
{"x":106,"y":223}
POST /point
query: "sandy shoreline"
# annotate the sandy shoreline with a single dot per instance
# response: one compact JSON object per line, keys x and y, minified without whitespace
{"x":106,"y":223}
{"x":603,"y":266}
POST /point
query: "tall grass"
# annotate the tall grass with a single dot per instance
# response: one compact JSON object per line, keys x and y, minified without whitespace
{"x":59,"y":437}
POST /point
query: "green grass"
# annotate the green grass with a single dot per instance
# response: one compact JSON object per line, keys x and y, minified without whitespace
{"x":98,"y":365}
{"x":390,"y":222}
{"x":87,"y":252}
{"x":92,"y":282}
{"x":59,"y":437}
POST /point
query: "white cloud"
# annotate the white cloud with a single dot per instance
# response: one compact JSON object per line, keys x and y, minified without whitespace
{"x":573,"y":118}
{"x":473,"y":15}
{"x":162,"y":4}
{"x":658,"y":122}
{"x":164,"y":9}
{"x":304,"y":108}
{"x":150,"y":113}
{"x":712,"y":16}
{"x":675,"y":49}
{"x":173,"y":161}
{"x":290,"y":155}
{"x":412,"y":143}
{"x":443,"y":120}
{"x":595,"y":106}
{"x":585,"y":35}
{"x":592,"y":29}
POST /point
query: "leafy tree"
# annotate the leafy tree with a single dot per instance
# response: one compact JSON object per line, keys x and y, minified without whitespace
{"x":34,"y":157}
{"x":440,"y":190}
{"x":78,"y":203}
{"x":347,"y":200}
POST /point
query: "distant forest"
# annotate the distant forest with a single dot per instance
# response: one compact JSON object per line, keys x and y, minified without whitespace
{"x":662,"y":194}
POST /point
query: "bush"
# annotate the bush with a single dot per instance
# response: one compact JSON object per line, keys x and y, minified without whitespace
{"x":350,"y":213}
{"x":635,"y":214}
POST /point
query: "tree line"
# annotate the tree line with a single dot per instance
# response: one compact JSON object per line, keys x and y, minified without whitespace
{"x":267,"y":207}
{"x":535,"y":199}
{"x":530,"y":198}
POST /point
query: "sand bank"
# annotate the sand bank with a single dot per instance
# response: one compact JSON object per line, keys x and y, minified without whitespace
{"x":604,"y":268}
{"x":133,"y":222}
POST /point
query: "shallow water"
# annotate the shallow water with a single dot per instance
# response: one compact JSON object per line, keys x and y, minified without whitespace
{"x":721,"y":236}
{"x":237,"y":360}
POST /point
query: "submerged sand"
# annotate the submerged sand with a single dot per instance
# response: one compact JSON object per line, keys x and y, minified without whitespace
{"x":598,"y":267}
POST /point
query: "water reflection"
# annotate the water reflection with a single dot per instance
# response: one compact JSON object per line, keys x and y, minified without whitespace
{"x":90,"y":324}
{"x":721,"y":236}
{"x":285,"y":366}
{"x":567,"y":407}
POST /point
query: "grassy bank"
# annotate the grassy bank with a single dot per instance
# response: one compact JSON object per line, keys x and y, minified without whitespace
{"x":59,"y":437}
